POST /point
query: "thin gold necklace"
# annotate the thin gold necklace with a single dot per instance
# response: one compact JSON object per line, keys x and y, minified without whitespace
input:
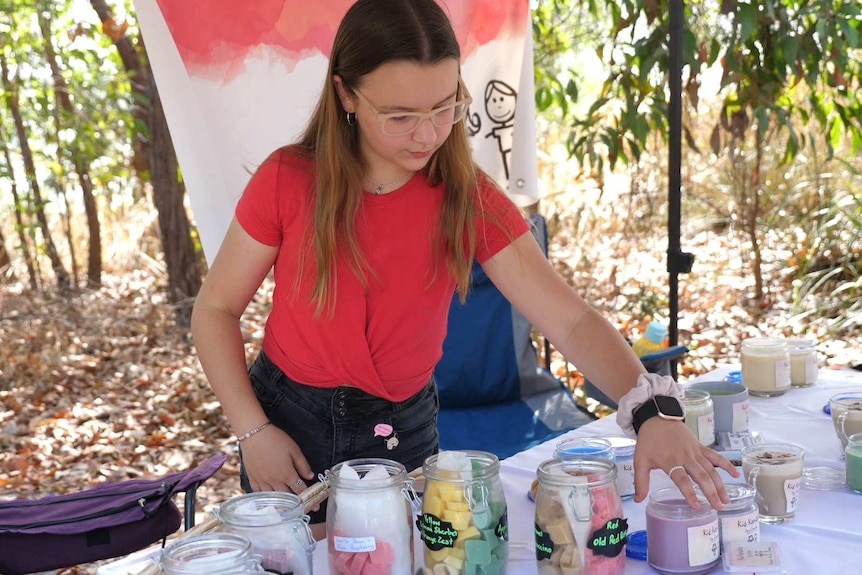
{"x":380,"y":185}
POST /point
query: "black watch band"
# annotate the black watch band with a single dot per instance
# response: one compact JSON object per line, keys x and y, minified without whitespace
{"x":664,"y":406}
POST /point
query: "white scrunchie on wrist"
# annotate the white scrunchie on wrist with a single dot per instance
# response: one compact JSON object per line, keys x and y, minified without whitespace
{"x":648,"y":385}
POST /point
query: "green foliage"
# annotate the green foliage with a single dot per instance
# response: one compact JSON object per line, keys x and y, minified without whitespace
{"x":783,"y":62}
{"x":98,"y":130}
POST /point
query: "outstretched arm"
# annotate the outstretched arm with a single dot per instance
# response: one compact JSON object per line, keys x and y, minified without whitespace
{"x":523,"y":274}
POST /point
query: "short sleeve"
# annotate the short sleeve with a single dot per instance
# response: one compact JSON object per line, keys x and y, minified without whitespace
{"x":257,"y":210}
{"x":499,"y":222}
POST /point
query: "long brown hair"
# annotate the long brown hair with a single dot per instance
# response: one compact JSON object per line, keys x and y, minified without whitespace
{"x":372,"y":33}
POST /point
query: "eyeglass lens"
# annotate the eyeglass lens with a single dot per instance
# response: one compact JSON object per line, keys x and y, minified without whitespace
{"x":406,"y":123}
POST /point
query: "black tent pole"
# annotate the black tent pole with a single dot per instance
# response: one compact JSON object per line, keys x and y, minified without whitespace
{"x":677,"y":261}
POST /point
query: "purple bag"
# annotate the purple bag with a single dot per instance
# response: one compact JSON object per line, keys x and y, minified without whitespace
{"x":107,"y":521}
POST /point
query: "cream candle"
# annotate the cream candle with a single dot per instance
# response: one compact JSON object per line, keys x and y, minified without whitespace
{"x":699,"y":415}
{"x":803,"y":362}
{"x":765,"y":366}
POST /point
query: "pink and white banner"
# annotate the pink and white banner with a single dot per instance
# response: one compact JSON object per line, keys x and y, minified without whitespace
{"x":239,"y":78}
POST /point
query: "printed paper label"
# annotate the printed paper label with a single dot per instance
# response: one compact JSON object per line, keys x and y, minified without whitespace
{"x":703,"y":544}
{"x":745,"y":528}
{"x":782,"y":373}
{"x":354,"y":544}
{"x":737,"y":441}
{"x":753,"y":555}
{"x":706,"y":429}
{"x":740,"y":416}
{"x":791,"y":493}
{"x":626,"y":478}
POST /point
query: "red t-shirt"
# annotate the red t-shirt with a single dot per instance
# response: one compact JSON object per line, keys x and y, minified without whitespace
{"x":384,"y":338}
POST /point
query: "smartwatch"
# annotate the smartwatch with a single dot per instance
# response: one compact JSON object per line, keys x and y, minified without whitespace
{"x":663,"y":406}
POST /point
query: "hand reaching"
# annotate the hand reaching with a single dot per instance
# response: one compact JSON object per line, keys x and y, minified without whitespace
{"x":274,"y":462}
{"x":671,"y":447}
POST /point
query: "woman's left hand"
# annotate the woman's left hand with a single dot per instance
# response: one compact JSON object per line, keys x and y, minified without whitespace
{"x":673,"y":448}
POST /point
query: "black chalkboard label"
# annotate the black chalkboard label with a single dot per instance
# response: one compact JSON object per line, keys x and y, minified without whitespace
{"x":502,"y":529}
{"x":544,"y":545}
{"x":436,"y":534}
{"x":610,"y":539}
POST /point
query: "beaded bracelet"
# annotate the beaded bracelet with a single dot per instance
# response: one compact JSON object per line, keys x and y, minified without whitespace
{"x":257,"y":429}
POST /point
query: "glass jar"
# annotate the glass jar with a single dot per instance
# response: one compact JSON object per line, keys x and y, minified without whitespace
{"x":765,"y":366}
{"x":624,"y":457}
{"x":464,"y":521}
{"x":589,"y":446}
{"x":368,"y":517}
{"x":699,"y":415}
{"x":739,"y":520}
{"x":579,"y":517}
{"x":209,"y":553}
{"x":803,"y":362}
{"x":681,"y":540}
{"x":276,"y":526}
{"x":853,"y":462}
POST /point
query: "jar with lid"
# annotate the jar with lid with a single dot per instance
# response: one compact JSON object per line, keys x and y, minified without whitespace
{"x":579,"y":523}
{"x":276,"y":526}
{"x":209,"y":553}
{"x":803,"y":362}
{"x":624,"y":457}
{"x":765,"y":366}
{"x":681,"y":540}
{"x":464,"y":520}
{"x":368,"y":518}
{"x":739,"y":520}
{"x":699,"y":415}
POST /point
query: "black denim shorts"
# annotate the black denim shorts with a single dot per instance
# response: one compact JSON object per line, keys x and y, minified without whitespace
{"x":335,"y":425}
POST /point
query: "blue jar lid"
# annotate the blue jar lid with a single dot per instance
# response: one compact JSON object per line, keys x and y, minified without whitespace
{"x":734,"y":377}
{"x":636,"y":545}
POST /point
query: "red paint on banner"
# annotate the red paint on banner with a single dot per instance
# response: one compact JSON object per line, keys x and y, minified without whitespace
{"x":221,"y":33}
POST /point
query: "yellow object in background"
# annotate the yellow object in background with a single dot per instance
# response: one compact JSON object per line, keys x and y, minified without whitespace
{"x":652,"y":341}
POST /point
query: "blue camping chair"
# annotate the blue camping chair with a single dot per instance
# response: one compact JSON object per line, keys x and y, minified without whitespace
{"x":494,"y":395}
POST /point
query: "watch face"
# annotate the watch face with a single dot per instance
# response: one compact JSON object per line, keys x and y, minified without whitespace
{"x":668,"y":406}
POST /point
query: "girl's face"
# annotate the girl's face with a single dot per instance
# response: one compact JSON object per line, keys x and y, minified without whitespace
{"x":400,"y":86}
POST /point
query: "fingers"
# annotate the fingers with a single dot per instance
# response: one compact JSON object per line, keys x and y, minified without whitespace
{"x":642,"y":471}
{"x":671,"y":447}
{"x":716,"y":459}
{"x":704,"y":473}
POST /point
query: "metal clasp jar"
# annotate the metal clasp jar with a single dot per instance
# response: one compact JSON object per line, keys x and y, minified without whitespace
{"x":464,"y":521}
{"x":368,"y":518}
{"x":209,"y":553}
{"x":579,"y":517}
{"x":276,"y":526}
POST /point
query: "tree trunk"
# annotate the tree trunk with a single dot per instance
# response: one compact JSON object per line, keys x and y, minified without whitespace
{"x":183,"y":262}
{"x":19,"y":220}
{"x":134,"y":66}
{"x":184,"y":271}
{"x":82,"y":168}
{"x":5,"y":260}
{"x":11,"y":90}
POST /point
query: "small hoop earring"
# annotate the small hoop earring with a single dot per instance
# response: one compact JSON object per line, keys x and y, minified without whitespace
{"x":351,"y":118}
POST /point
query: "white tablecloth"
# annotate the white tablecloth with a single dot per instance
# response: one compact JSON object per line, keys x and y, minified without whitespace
{"x":825,"y":538}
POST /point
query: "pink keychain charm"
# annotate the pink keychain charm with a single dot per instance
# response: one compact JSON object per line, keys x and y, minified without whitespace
{"x":390,"y":438}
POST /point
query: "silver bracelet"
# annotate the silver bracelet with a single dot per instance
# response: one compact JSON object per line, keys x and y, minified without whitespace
{"x":257,"y":429}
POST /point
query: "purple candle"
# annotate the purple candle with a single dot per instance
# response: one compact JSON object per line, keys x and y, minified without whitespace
{"x":681,"y":540}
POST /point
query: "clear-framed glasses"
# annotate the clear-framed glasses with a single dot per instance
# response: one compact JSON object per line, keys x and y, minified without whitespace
{"x":403,"y":123}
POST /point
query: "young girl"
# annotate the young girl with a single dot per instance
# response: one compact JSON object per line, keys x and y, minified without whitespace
{"x":371,"y":222}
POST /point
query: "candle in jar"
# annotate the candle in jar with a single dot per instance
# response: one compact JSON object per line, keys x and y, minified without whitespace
{"x":699,"y":415}
{"x":765,"y":366}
